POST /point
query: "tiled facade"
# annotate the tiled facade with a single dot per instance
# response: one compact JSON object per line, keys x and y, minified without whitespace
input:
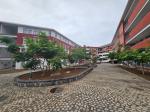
{"x":134,"y":28}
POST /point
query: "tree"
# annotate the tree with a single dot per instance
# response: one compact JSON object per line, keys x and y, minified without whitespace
{"x":70,"y":59}
{"x":143,"y":57}
{"x":44,"y":50}
{"x":94,"y":60}
{"x":32,"y":64}
{"x":113,"y":56}
{"x":137,"y":56}
{"x":38,"y":53}
{"x":56,"y":63}
{"x":126,"y":55}
{"x":78,"y":54}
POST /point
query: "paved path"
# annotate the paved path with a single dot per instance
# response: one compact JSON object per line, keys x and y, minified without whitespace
{"x":106,"y":89}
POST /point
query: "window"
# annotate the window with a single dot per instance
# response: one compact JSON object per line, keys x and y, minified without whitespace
{"x":27,"y":31}
{"x":53,"y":34}
{"x":35,"y":32}
{"x":63,"y":39}
{"x":59,"y":36}
{"x":50,"y":33}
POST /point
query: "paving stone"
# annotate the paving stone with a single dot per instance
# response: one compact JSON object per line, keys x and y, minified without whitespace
{"x":106,"y":89}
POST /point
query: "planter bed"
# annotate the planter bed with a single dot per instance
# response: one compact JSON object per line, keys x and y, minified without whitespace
{"x":137,"y":71}
{"x":52,"y":78}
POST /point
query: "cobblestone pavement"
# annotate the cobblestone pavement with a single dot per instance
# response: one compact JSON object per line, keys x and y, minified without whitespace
{"x":106,"y":89}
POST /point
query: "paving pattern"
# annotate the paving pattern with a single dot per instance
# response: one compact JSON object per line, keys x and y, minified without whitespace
{"x":107,"y":88}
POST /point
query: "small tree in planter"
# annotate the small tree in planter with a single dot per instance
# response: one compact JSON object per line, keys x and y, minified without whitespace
{"x":78,"y":54}
{"x":42,"y":49}
{"x":127,"y":55}
{"x":143,"y":57}
{"x":134,"y":58}
{"x":94,"y":60}
{"x":70,"y":59}
{"x":56,"y":63}
{"x":33,"y":65}
{"x":112,"y":56}
{"x":38,"y":52}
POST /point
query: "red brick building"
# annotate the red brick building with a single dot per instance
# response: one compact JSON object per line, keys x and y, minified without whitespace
{"x":105,"y":48}
{"x":134,"y":28}
{"x":99,"y":52}
{"x":19,"y":32}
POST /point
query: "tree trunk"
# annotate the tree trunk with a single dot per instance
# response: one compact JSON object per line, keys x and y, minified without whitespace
{"x":135,"y":65}
{"x":49,"y":68}
{"x":142,"y":68}
{"x":30,"y":75}
{"x":128,"y":63}
{"x":43,"y":71}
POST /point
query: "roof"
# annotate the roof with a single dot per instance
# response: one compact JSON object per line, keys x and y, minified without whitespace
{"x":38,"y":27}
{"x":105,"y":45}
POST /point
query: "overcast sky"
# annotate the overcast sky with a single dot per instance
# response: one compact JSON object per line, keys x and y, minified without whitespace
{"x":87,"y":22}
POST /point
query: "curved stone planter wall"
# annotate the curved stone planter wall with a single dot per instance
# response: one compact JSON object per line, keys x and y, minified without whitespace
{"x":39,"y":83}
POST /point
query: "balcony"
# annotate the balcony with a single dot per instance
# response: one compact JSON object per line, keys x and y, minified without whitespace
{"x":132,"y":4}
{"x":140,"y":36}
{"x":143,"y":23}
{"x":139,"y":16}
{"x":143,"y":44}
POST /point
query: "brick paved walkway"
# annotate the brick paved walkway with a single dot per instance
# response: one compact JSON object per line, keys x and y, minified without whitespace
{"x":106,"y":89}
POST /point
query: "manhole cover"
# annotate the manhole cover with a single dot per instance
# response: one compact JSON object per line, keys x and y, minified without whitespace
{"x":3,"y":97}
{"x":56,"y":90}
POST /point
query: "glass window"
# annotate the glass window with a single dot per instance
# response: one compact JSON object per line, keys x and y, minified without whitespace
{"x":53,"y":34}
{"x":27,"y":31}
{"x":35,"y":32}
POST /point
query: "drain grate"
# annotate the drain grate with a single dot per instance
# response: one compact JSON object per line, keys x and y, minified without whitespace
{"x":56,"y":90}
{"x":3,"y":97}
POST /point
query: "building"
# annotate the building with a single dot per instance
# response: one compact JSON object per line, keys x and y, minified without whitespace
{"x":19,"y":32}
{"x":134,"y":28}
{"x":100,"y":52}
{"x":103,"y":52}
{"x":105,"y":48}
{"x":93,"y":51}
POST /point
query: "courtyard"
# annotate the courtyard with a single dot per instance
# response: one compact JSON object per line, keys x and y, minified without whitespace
{"x":107,"y":88}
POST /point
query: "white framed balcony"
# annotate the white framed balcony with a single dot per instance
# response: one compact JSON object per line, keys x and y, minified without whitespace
{"x":139,"y":16}
{"x":139,"y":36}
{"x":133,"y":4}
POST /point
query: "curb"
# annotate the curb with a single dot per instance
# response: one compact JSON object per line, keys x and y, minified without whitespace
{"x":42,"y":83}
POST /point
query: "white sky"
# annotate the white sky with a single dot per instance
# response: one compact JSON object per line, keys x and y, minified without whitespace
{"x":87,"y":22}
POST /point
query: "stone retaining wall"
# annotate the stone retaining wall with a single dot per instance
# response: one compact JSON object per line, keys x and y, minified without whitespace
{"x":40,"y":83}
